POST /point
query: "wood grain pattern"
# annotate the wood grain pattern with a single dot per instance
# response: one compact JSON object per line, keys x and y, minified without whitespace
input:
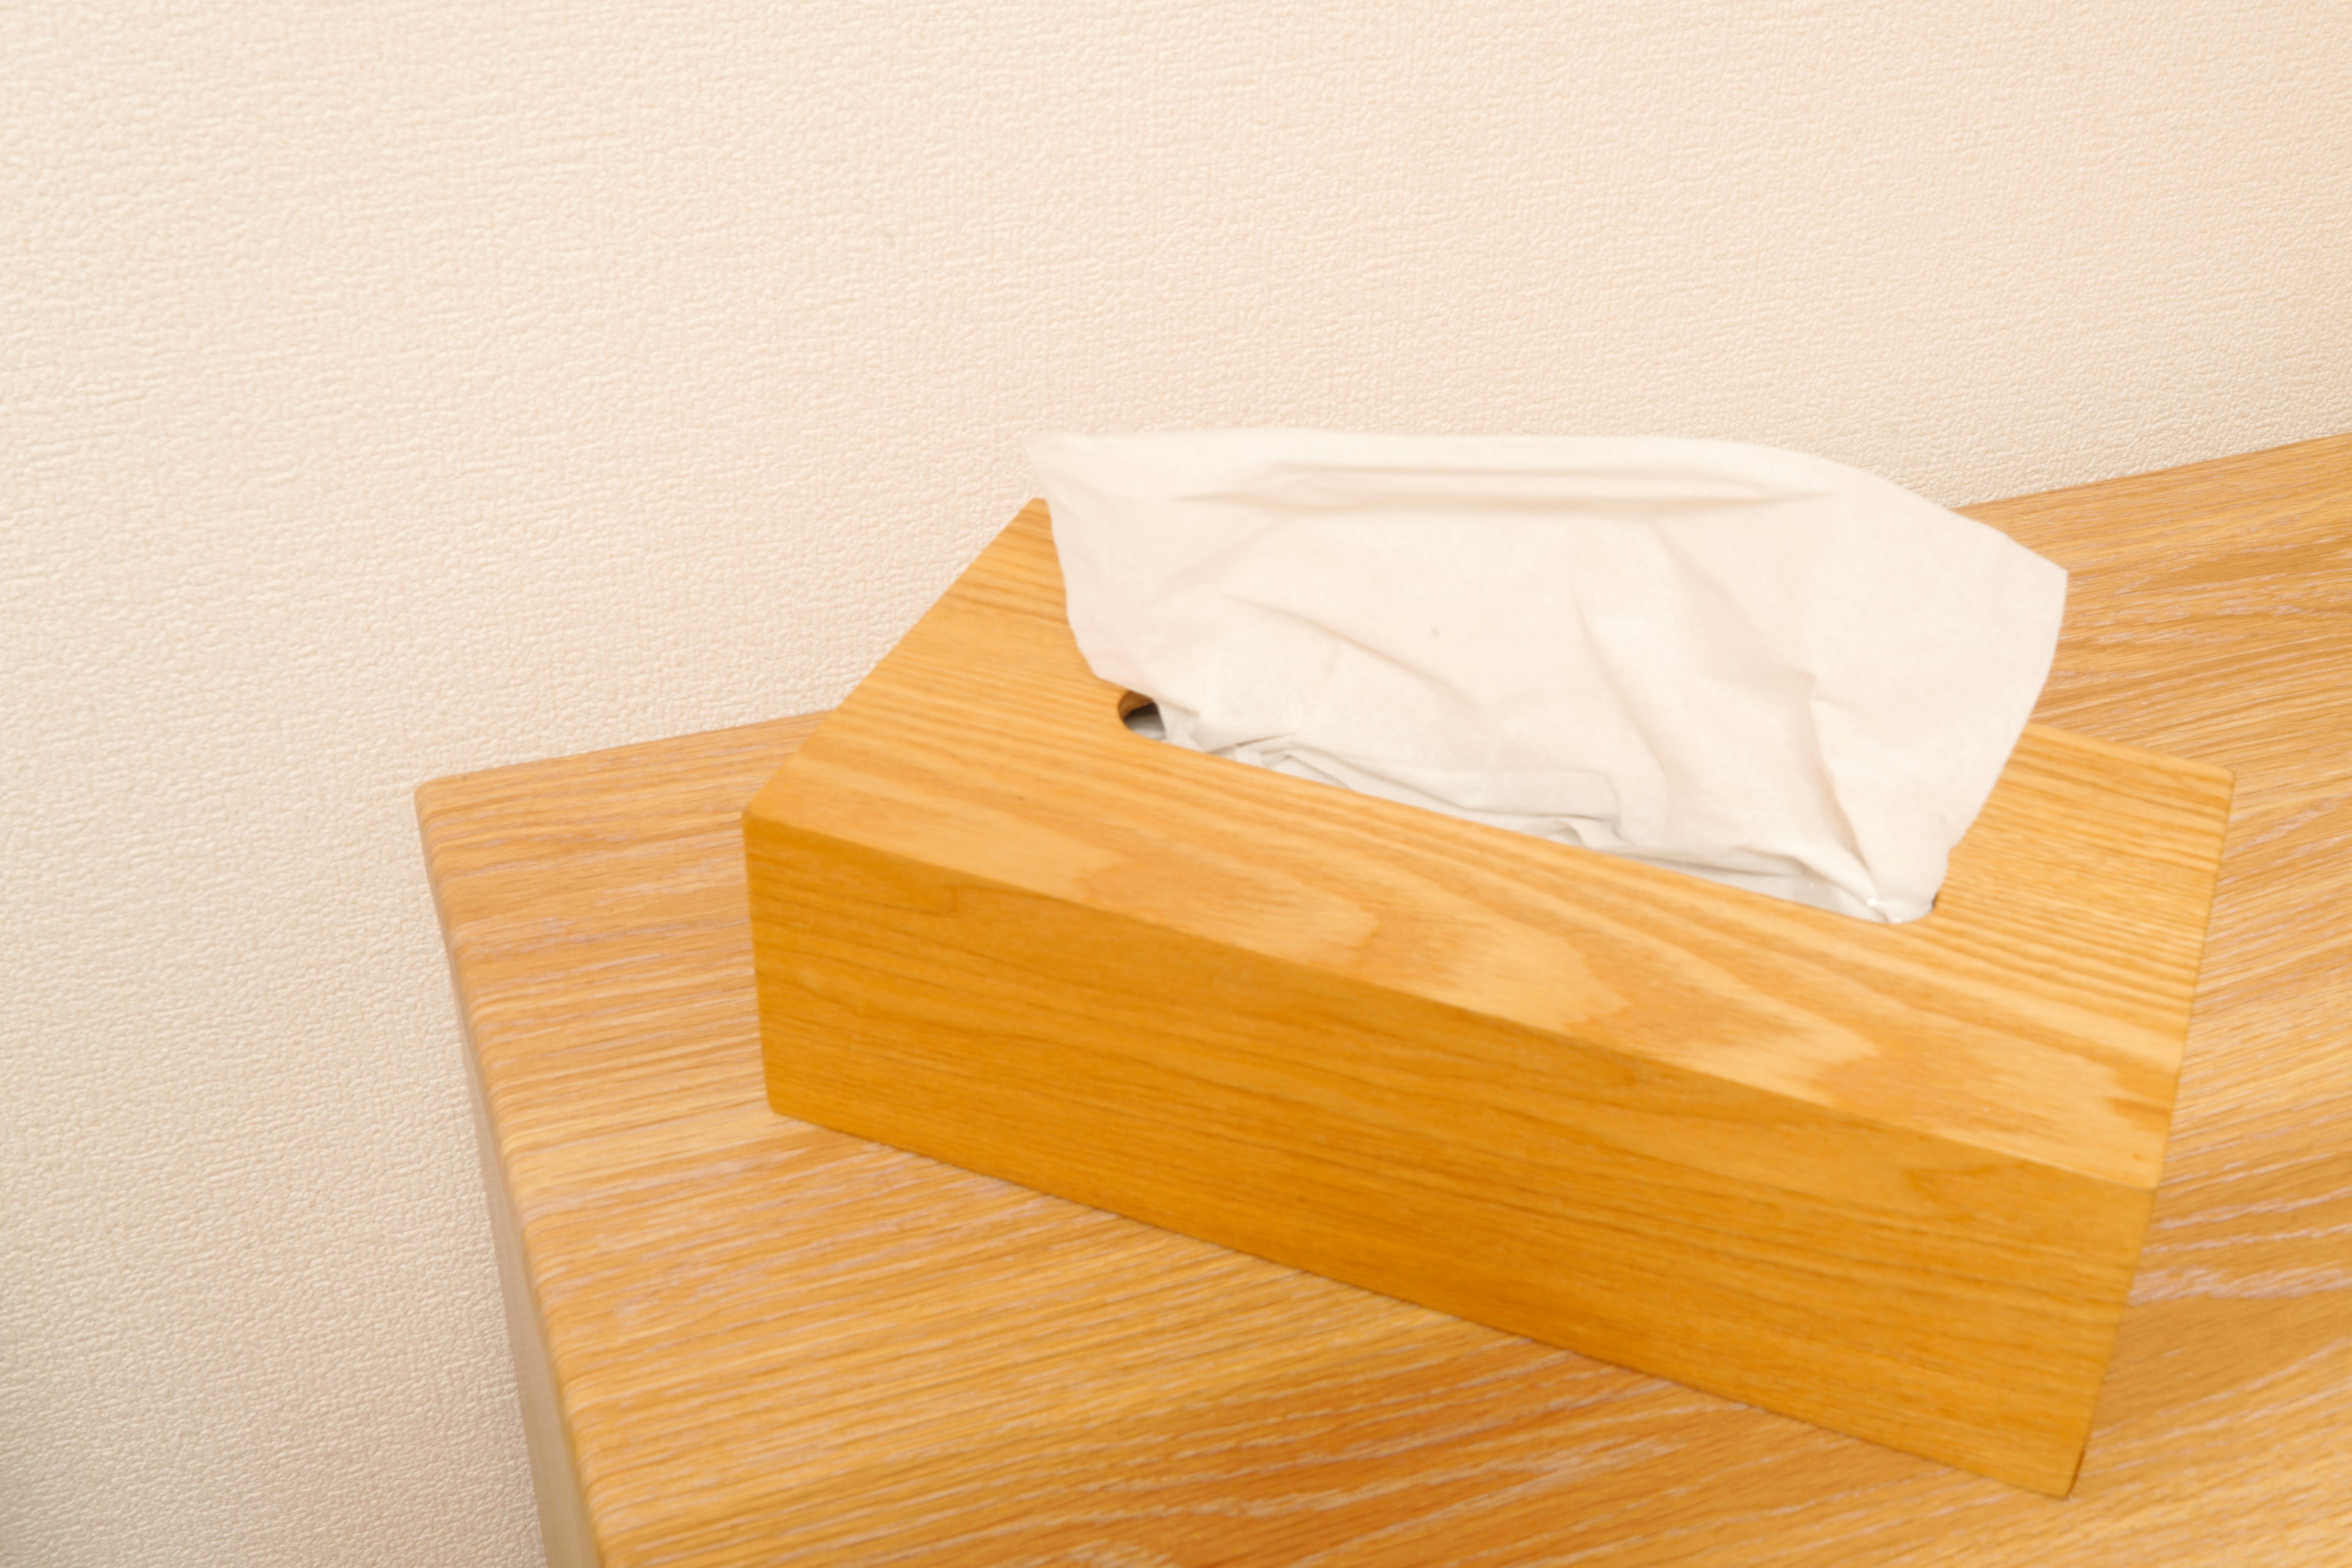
{"x":777,"y":1344}
{"x":1892,"y":1179}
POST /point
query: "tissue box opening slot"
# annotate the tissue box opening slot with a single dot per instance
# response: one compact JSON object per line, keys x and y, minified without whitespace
{"x":1141,"y":715}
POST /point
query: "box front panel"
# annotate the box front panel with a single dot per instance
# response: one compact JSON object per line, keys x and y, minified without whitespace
{"x":1937,"y":1299}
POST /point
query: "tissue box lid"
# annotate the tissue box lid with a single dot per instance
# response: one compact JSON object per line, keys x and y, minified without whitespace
{"x":2039,"y":1012}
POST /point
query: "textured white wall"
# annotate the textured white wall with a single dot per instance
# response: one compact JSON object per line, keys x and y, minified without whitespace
{"x":395,"y":390}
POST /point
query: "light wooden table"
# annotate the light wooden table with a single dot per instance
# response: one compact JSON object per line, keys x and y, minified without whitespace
{"x":743,"y":1340}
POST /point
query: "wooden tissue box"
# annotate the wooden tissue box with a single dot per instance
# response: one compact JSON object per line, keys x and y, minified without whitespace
{"x":1888,"y":1179}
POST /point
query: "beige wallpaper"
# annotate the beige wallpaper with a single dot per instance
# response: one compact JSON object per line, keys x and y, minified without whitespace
{"x":392,"y":390}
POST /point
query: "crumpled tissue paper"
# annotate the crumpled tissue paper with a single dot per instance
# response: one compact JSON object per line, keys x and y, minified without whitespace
{"x":1758,"y":666}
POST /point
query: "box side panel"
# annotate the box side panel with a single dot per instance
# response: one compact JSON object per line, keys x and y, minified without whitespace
{"x":1924,"y":1295}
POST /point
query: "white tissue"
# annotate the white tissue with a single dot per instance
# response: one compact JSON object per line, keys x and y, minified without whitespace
{"x":1760,"y":667}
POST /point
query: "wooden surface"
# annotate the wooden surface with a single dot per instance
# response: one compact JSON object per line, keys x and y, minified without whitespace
{"x":771,"y":1344}
{"x":1891,"y":1179}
